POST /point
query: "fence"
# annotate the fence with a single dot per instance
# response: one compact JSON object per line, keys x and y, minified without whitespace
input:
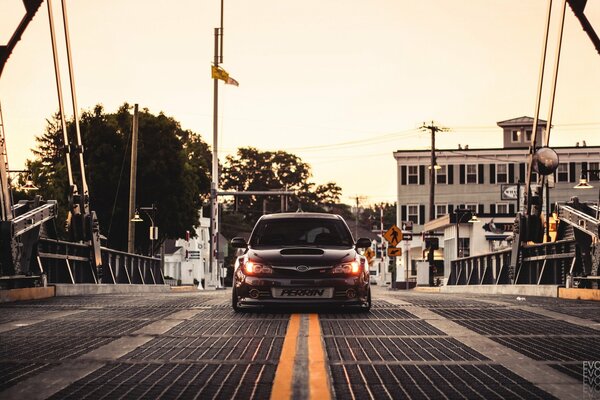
{"x":67,"y":262}
{"x":546,"y":263}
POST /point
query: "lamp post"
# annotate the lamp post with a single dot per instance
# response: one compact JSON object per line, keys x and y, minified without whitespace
{"x":28,"y":179}
{"x":460,"y":214}
{"x":583,"y":184}
{"x":6,"y":190}
{"x":151,"y":213}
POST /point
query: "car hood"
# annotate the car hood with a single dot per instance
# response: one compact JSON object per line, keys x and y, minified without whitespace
{"x":309,"y":256}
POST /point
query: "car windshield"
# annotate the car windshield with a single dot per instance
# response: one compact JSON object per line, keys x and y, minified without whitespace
{"x":319,"y":232}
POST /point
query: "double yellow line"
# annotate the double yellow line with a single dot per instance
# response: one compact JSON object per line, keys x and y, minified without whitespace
{"x":317,"y":374}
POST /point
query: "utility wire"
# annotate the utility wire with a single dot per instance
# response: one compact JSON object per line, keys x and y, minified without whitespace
{"x":112,"y":214}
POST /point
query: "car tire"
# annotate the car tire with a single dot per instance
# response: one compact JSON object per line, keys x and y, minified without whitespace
{"x":234,"y":300}
{"x":366,"y":307}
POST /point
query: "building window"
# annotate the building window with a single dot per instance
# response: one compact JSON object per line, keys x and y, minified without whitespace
{"x":528,"y":135}
{"x":502,"y":173}
{"x":441,"y":175}
{"x":413,"y":174}
{"x":441,"y":210}
{"x":413,"y":213}
{"x":502,"y":208}
{"x":463,"y":247}
{"x":594,"y":168}
{"x":562,"y":172}
{"x":471,"y":207}
{"x":471,"y":173}
{"x":515,"y":136}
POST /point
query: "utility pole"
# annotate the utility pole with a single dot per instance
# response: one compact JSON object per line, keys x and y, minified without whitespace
{"x":433,"y":129}
{"x":214,"y":243}
{"x":358,"y":200}
{"x":132,"y":181}
{"x":432,"y":167}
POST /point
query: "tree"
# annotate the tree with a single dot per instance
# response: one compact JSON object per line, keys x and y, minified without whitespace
{"x":254,"y":170}
{"x":172,"y":171}
{"x":371,"y":215}
{"x":251,"y":169}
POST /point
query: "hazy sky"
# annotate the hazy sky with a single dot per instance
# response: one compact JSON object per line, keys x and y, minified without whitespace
{"x":341,"y":83}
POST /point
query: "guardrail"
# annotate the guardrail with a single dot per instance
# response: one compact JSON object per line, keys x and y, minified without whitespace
{"x":67,"y":262}
{"x":483,"y":269}
{"x":546,"y":263}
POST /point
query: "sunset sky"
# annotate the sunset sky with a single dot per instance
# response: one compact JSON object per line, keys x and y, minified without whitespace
{"x":341,"y":83}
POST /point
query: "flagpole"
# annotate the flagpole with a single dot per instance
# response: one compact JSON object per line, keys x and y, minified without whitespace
{"x":214,"y":243}
{"x":217,"y":73}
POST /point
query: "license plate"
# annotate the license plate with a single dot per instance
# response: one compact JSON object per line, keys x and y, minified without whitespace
{"x":302,"y":293}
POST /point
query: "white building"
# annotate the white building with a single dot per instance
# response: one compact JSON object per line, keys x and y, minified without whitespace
{"x":189,"y":259}
{"x":483,"y":180}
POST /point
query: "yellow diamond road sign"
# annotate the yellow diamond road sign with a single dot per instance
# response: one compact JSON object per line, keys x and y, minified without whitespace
{"x":394,"y":252}
{"x":393,"y":235}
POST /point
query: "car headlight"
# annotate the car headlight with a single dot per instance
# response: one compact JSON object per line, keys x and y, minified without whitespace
{"x":351,"y":268}
{"x":254,"y":268}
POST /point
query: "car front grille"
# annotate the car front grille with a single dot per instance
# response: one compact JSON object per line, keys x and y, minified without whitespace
{"x":292,"y":273}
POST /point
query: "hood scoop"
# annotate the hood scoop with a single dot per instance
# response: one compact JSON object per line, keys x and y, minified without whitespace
{"x":301,"y":251}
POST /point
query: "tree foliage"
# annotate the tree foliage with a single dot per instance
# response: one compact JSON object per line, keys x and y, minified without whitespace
{"x":172,"y":171}
{"x":370,"y":216}
{"x":251,"y":169}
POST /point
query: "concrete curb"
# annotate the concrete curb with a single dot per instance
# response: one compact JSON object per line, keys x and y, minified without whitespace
{"x":80,"y":289}
{"x":7,"y":296}
{"x":521,"y":290}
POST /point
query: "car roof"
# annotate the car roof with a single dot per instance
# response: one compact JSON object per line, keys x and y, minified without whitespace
{"x":300,"y":215}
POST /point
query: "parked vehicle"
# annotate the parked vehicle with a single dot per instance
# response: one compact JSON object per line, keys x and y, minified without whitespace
{"x":301,"y":259}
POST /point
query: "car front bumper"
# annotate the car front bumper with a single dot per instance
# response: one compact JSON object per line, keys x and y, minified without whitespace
{"x":259,"y":291}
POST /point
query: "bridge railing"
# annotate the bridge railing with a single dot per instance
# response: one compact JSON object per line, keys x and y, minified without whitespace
{"x":545,"y":263}
{"x":122,"y":267}
{"x":68,"y":262}
{"x":483,"y":269}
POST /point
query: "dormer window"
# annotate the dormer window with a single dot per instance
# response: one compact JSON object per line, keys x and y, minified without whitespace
{"x":516,"y":136}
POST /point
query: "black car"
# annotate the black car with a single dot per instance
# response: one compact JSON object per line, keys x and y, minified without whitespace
{"x":301,"y":259}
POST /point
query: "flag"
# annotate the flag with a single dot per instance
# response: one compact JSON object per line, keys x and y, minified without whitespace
{"x":220,"y":73}
{"x":231,"y":81}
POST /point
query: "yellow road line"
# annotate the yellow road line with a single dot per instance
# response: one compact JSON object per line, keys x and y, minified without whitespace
{"x":318,"y":383}
{"x":282,"y":384}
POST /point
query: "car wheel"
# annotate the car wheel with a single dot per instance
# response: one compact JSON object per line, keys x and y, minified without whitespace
{"x":366,"y":307}
{"x":234,"y":299}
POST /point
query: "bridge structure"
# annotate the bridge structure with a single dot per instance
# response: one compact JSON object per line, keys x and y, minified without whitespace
{"x":571,"y":260}
{"x":411,"y":345}
{"x":573,"y":257}
{"x":30,"y":252}
{"x":192,"y":345}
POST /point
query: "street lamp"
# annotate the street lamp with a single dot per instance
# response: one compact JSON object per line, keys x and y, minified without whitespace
{"x":583,"y":184}
{"x":28,"y":180}
{"x":151,"y":213}
{"x":460,"y":214}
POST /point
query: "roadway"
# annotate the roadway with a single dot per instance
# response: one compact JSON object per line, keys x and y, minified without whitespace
{"x":192,"y":345}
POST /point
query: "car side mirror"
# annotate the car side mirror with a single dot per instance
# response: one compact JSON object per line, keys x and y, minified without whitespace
{"x":363,"y":243}
{"x":239,"y":243}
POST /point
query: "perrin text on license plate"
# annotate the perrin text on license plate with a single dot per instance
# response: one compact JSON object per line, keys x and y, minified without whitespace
{"x":279,"y":293}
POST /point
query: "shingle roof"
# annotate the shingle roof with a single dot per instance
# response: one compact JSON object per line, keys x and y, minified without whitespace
{"x":520,"y":121}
